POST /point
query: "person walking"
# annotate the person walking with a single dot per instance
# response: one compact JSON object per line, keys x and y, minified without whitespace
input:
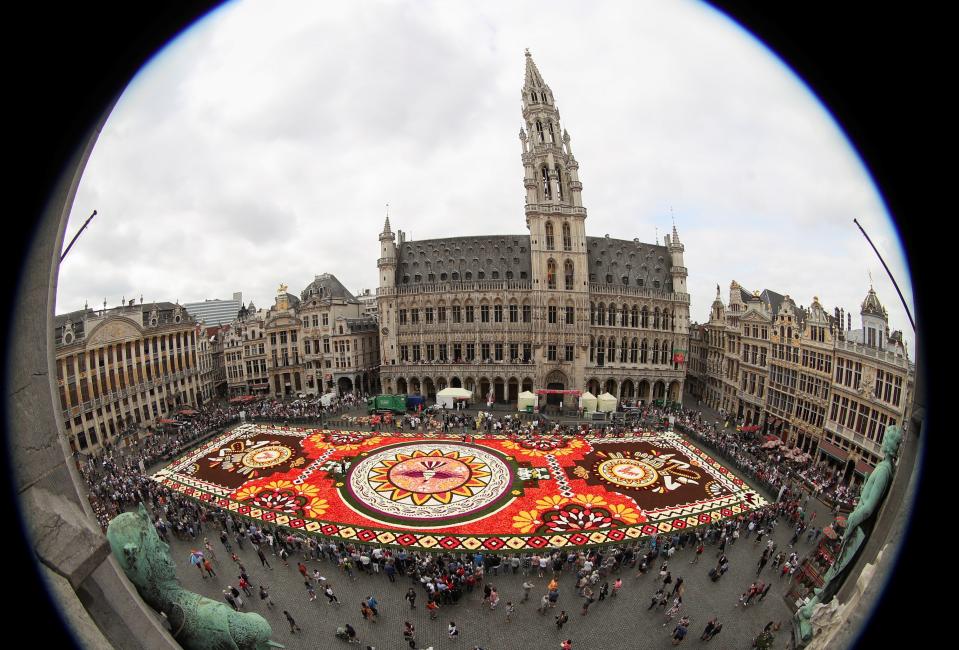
{"x":411,"y":597}
{"x":527,"y":586}
{"x":372,"y":603}
{"x":208,"y":568}
{"x":710,"y":626}
{"x":561,"y":619}
{"x":367,"y":612}
{"x":331,"y":597}
{"x":616,"y":587}
{"x":716,"y":630}
{"x":453,"y":631}
{"x":265,"y":596}
{"x":245,"y":586}
{"x":543,"y":603}
{"x":294,"y":628}
{"x":493,"y":598}
{"x":765,"y":590}
{"x":310,"y":590}
{"x":509,"y":610}
{"x":229,"y":599}
{"x":236,"y":596}
{"x":263,"y":560}
{"x":432,"y":606}
{"x":588,"y":595}
{"x":679,"y":633}
{"x":302,"y":569}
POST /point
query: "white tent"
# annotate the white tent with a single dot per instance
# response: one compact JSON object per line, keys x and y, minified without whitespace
{"x":606,"y":403}
{"x":525,"y":399}
{"x":327,"y":399}
{"x":587,"y":401}
{"x":448,"y":396}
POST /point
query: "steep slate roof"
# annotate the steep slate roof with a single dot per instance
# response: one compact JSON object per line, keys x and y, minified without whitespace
{"x":632,"y":259}
{"x":326,"y":286}
{"x":485,"y":253}
{"x":773,"y":299}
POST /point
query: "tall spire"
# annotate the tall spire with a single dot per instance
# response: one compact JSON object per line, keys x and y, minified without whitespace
{"x":534,"y":80}
{"x":386,"y":226}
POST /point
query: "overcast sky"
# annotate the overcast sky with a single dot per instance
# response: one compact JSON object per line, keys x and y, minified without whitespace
{"x":262,"y":146}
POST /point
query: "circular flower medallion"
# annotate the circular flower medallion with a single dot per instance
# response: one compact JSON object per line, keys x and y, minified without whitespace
{"x":429,"y":484}
{"x":627,"y":472}
{"x":267,"y":456}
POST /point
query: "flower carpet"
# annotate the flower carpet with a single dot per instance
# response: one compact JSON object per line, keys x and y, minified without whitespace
{"x":434,"y":491}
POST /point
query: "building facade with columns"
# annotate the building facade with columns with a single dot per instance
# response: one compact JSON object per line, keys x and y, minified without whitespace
{"x":805,"y":375}
{"x":120,"y":370}
{"x":550,"y":309}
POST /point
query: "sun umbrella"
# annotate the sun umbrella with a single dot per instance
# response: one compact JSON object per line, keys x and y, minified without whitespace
{"x":829,"y":532}
{"x":196,"y":557}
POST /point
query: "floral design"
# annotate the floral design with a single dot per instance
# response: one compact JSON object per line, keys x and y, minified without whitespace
{"x":285,"y":497}
{"x":625,"y":514}
{"x":544,"y":446}
{"x":551,"y":502}
{"x":590,"y":500}
{"x":527,"y":521}
{"x":576,"y":517}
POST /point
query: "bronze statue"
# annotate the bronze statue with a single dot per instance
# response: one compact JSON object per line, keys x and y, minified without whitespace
{"x":197,"y":622}
{"x":858,"y":527}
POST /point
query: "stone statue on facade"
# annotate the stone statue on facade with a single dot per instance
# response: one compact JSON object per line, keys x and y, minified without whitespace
{"x":859,"y":525}
{"x":197,"y":622}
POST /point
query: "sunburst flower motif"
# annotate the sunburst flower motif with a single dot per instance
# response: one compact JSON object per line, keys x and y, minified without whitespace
{"x":285,"y":497}
{"x":551,"y":502}
{"x":624,"y":513}
{"x":589,"y":500}
{"x":572,"y":446}
{"x":527,"y":521}
{"x":422,"y":477}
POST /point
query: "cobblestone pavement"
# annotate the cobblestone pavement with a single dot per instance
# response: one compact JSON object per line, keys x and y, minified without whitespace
{"x":614,"y":623}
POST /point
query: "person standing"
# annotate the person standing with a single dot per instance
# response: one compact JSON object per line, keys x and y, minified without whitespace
{"x":509,"y":610}
{"x":409,"y":633}
{"x":263,"y":560}
{"x":716,"y":630}
{"x":679,"y":633}
{"x":229,"y":599}
{"x":432,"y":607}
{"x":453,"y":631}
{"x":561,"y":619}
{"x":411,"y":597}
{"x":616,"y":587}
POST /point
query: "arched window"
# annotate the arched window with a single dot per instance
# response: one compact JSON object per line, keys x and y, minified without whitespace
{"x":549,"y":232}
{"x":559,"y":179}
{"x":567,"y":238}
{"x":645,"y":321}
{"x":551,"y":274}
{"x":655,"y":352}
{"x":622,"y":351}
{"x":612,"y":315}
{"x":644,"y":352}
{"x":568,"y":272}
{"x":552,"y":134}
{"x":600,"y":351}
{"x":624,"y":317}
{"x":633,"y":351}
{"x":666,"y":358}
{"x":656,"y":319}
{"x":665,"y":319}
{"x":601,"y":314}
{"x":547,"y":190}
{"x":612,"y":350}
{"x":532,"y":97}
{"x":539,"y":130}
{"x":592,"y":349}
{"x":545,"y":100}
{"x":592,"y":313}
{"x":634,"y":317}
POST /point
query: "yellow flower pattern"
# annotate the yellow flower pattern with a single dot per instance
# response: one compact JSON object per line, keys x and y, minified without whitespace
{"x":551,"y":502}
{"x":526,"y":521}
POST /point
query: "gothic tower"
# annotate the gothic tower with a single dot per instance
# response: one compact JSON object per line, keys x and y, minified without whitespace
{"x":555,"y":217}
{"x":386,"y":294}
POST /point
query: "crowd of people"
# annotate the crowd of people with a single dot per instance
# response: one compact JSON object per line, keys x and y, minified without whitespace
{"x":117,"y":481}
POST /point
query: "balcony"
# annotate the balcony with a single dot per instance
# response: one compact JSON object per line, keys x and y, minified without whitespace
{"x":472,"y":367}
{"x":456,"y":287}
{"x":638,"y":292}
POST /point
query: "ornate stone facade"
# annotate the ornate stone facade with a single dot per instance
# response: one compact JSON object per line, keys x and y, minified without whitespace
{"x":805,"y":375}
{"x":120,"y":370}
{"x":551,"y":309}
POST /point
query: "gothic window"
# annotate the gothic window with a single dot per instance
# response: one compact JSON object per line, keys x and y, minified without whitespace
{"x":567,"y":238}
{"x":559,"y":181}
{"x":601,"y":314}
{"x":547,"y":191}
{"x":600,"y":351}
{"x":551,"y":274}
{"x":549,"y":234}
{"x":644,"y":351}
{"x":634,"y":317}
{"x":532,"y":97}
{"x":624,"y":317}
{"x":665,"y":319}
{"x":611,"y":357}
{"x":633,"y":351}
{"x":612,"y":315}
{"x":592,"y":349}
{"x":655,"y":352}
{"x":539,"y":130}
{"x":665,"y":356}
{"x":656,"y":319}
{"x":552,"y":134}
{"x":592,"y":313}
{"x":568,"y":269}
{"x":622,"y":351}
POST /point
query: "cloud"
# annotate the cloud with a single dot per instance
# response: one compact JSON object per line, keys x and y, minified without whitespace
{"x":263,"y":145}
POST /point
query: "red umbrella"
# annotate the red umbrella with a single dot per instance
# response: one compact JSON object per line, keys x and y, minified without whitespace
{"x":829,"y":532}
